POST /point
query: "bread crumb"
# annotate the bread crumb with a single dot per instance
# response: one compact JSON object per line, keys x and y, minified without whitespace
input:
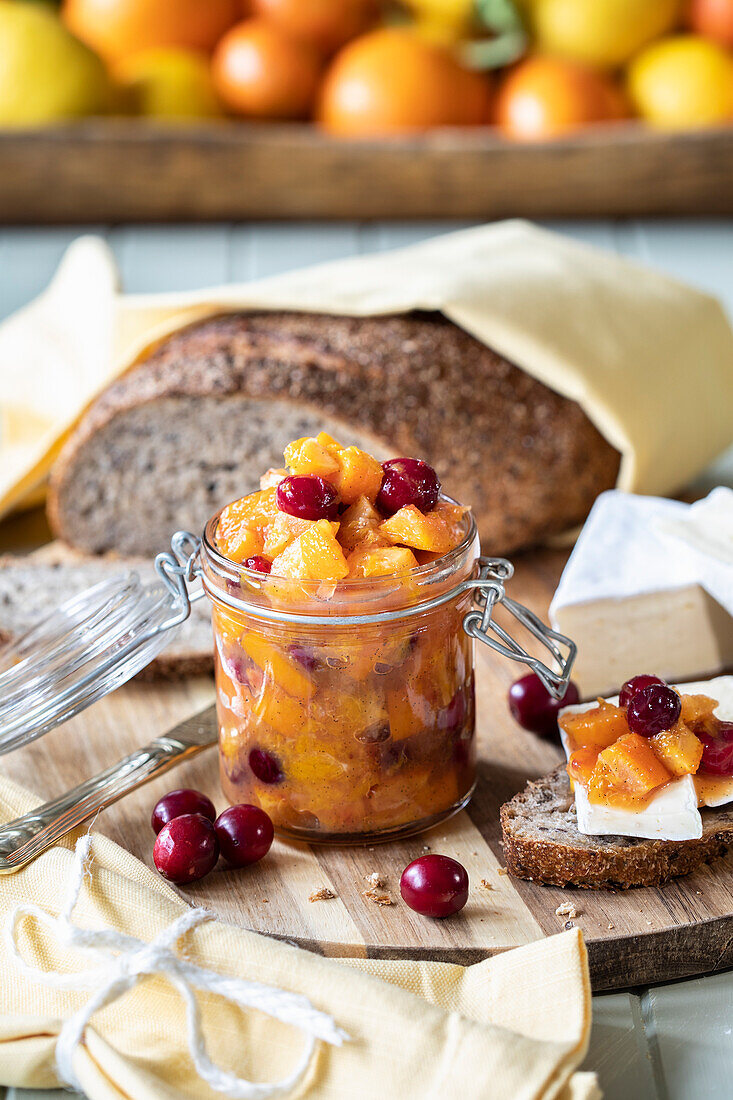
{"x":324,"y":894}
{"x":377,"y":898}
{"x":567,"y":909}
{"x":501,"y":871}
{"x":375,"y":880}
{"x":611,"y":927}
{"x":649,"y":922}
{"x":568,"y":925}
{"x":486,"y":884}
{"x":426,"y":847}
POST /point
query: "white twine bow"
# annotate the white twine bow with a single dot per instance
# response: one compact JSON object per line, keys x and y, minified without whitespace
{"x":125,"y":960}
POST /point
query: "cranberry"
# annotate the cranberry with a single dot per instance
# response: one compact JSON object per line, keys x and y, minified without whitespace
{"x":306,"y":657}
{"x":186,"y":848}
{"x":258,"y":564}
{"x":435,"y":886}
{"x":244,"y":833}
{"x":534,"y":708}
{"x":265,"y":766}
{"x":407,"y":481}
{"x":180,"y":802}
{"x":636,"y":683}
{"x":307,"y":497}
{"x":717,"y":752}
{"x":452,"y":717}
{"x":654,"y":708}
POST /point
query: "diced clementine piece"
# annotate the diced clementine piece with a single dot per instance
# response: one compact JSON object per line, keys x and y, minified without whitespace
{"x":629,"y":766}
{"x":678,"y":749}
{"x":328,"y":442}
{"x":243,"y":543}
{"x":359,"y":519}
{"x":408,"y":714}
{"x":281,"y":532}
{"x":596,"y":728}
{"x":272,"y":478}
{"x":454,"y":518}
{"x":359,"y":475}
{"x":281,"y":712}
{"x":272,"y":660}
{"x":256,"y":510}
{"x":380,"y":561}
{"x":581,"y":764}
{"x":409,"y":527}
{"x":308,"y":456}
{"x":697,"y":709}
{"x":314,"y":555}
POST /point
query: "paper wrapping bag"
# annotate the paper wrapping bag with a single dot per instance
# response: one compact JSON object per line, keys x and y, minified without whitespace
{"x":514,"y":1027}
{"x":650,"y":360}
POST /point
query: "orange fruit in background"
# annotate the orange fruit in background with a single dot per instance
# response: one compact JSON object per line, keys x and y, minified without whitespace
{"x":392,"y":81}
{"x":543,"y":97}
{"x":261,"y":72}
{"x":118,"y":28}
{"x":713,"y":18}
{"x":326,"y":24}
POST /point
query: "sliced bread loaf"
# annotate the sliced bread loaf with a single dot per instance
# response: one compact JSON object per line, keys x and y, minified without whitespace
{"x":32,"y":587}
{"x":192,"y":427}
{"x":542,"y":843}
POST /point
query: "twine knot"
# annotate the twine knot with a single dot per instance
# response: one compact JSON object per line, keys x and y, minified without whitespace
{"x":123,"y":960}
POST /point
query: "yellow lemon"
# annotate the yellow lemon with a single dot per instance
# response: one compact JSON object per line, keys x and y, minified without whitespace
{"x":601,"y":32}
{"x":168,"y":83}
{"x":683,"y":82}
{"x":46,"y":74}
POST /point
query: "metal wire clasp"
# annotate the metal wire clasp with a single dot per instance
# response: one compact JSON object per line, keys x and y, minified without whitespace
{"x":178,"y":568}
{"x":490,"y":591}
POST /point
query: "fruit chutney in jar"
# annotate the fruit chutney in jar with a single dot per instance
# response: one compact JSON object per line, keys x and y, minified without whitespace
{"x":345,"y":689}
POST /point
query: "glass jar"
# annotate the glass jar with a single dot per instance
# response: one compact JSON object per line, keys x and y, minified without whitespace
{"x":346,"y":711}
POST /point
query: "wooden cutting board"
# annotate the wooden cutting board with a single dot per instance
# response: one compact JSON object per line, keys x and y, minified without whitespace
{"x":633,"y":937}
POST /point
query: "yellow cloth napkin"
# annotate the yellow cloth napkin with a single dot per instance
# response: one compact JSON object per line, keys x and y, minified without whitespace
{"x":514,"y":1027}
{"x":650,"y":360}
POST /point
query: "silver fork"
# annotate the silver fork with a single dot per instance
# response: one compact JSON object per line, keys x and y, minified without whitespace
{"x":26,"y":837}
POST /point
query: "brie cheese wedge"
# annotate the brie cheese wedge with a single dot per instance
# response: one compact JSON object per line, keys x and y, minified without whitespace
{"x":673,"y":813}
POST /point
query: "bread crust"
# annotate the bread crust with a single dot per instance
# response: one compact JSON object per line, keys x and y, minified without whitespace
{"x":528,"y":460}
{"x":542,"y":843}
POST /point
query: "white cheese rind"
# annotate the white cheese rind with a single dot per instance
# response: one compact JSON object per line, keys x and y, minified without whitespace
{"x":672,"y":814}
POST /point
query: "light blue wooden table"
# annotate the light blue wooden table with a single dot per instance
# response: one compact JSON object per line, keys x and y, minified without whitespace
{"x":671,"y":1042}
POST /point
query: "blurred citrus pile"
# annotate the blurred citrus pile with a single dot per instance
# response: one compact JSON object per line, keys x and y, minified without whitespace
{"x":534,"y":68}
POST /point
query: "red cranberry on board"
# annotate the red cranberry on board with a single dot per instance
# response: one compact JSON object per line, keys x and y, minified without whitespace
{"x":186,"y":848}
{"x":435,"y":886}
{"x":244,"y":833}
{"x":535,"y":708}
{"x":265,"y":766}
{"x":257,"y":564}
{"x":653,"y":709}
{"x":717,"y":752}
{"x":307,"y":497}
{"x":636,"y":683}
{"x":407,"y":481}
{"x":179,"y":802}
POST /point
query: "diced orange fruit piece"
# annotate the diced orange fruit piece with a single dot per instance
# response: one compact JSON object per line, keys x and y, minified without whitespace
{"x":359,"y":475}
{"x":243,"y":543}
{"x":314,"y":555}
{"x":629,"y":766}
{"x":360,"y":519}
{"x":409,"y":527}
{"x":678,"y":749}
{"x":380,"y":561}
{"x":696,"y":709}
{"x":272,"y":478}
{"x":281,"y":532}
{"x":255,"y":510}
{"x":596,"y":728}
{"x":269,"y":656}
{"x":309,"y":456}
{"x":281,"y":712}
{"x":581,"y":764}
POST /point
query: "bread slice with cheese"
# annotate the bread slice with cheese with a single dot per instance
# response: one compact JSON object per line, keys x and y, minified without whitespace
{"x":32,"y":586}
{"x":542,"y":843}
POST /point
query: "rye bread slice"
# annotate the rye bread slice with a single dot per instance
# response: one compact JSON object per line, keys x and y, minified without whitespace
{"x":542,"y":843}
{"x":196,"y":422}
{"x":32,"y":586}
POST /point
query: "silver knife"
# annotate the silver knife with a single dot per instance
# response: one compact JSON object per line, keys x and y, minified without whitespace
{"x":26,"y":837}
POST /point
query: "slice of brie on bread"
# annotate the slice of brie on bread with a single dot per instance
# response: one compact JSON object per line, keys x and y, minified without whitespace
{"x":673,"y":813}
